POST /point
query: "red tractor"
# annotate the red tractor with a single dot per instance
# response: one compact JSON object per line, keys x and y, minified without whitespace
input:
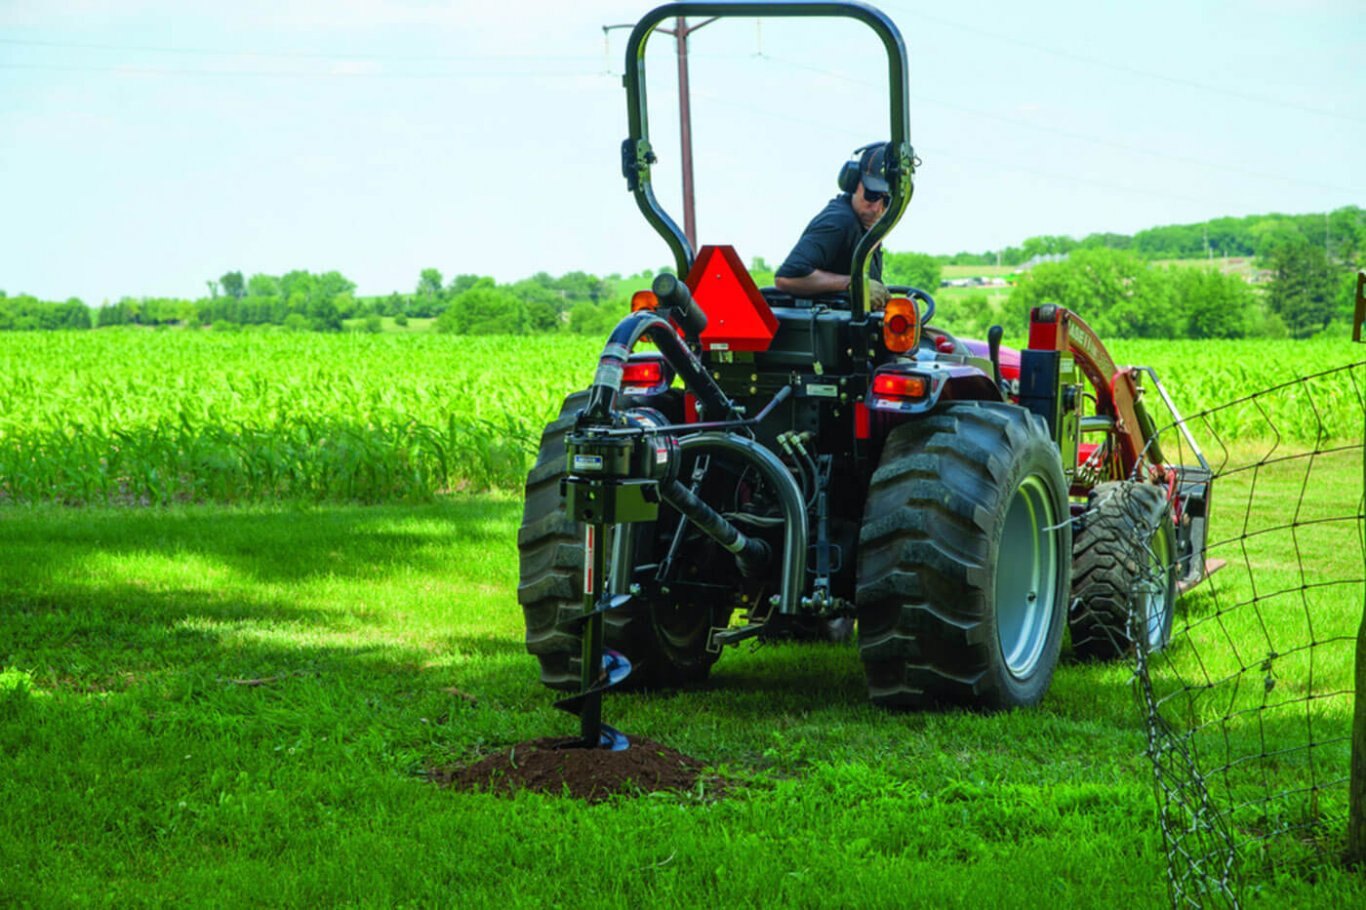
{"x":808,"y":464}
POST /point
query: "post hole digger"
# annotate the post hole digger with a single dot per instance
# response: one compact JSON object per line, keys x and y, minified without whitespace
{"x":800,"y":461}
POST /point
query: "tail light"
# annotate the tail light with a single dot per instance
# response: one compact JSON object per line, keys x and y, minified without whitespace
{"x":646,"y":376}
{"x":900,"y":325}
{"x":900,"y":386}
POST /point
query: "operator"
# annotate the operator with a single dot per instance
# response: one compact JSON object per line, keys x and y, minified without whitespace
{"x":820,"y":264}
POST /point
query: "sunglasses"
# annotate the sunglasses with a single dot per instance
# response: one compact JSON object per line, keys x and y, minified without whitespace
{"x":873,"y":198}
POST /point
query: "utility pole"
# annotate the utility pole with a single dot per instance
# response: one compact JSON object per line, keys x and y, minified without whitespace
{"x":680,"y":33}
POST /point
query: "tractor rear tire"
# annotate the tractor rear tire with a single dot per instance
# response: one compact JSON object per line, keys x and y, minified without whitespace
{"x":666,"y":644}
{"x":964,"y":561}
{"x":1124,"y":578}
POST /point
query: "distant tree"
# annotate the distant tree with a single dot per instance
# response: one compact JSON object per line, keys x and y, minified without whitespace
{"x":260,"y":285}
{"x":1046,"y":245}
{"x":1345,"y":303}
{"x":324,"y":316}
{"x":485,"y":309}
{"x":346,"y":305}
{"x":916,"y":269}
{"x":429,"y":283}
{"x":1271,"y":234}
{"x":587,"y":318}
{"x":544,"y":305}
{"x":296,"y":282}
{"x":332,"y":285}
{"x":1216,"y":305}
{"x":1346,"y":235}
{"x":1117,"y":293}
{"x":581,"y":286}
{"x":1107,"y":241}
{"x":233,"y":285}
{"x":372,"y":324}
{"x":462,"y":283}
{"x":970,"y":315}
{"x":1304,"y":290}
{"x":257,"y":310}
{"x":1011,"y":255}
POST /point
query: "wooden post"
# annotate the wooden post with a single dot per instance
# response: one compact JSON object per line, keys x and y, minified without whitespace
{"x":1359,"y":315}
{"x":1356,"y":811}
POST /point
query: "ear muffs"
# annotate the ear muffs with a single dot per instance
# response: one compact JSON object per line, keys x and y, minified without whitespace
{"x":851,"y":172}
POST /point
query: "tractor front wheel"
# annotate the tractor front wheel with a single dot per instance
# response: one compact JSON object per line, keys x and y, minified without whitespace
{"x":1124,"y":581}
{"x":964,"y":561}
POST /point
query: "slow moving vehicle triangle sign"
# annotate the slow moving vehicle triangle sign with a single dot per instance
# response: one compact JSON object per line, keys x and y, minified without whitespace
{"x":738,"y":317}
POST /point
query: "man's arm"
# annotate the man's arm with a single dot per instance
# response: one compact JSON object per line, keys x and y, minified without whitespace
{"x":816,"y":284}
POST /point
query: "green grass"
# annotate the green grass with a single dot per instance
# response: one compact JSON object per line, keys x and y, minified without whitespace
{"x":139,"y":769}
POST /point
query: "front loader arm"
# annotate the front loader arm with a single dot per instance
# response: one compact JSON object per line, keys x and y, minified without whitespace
{"x":1056,"y":328}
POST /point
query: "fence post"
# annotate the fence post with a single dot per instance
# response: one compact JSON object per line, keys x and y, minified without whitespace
{"x":1356,"y":801}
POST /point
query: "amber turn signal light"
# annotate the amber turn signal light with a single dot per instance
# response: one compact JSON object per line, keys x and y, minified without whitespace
{"x":900,"y":325}
{"x":644,"y":300}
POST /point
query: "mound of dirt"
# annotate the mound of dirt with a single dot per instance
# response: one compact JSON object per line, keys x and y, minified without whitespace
{"x":548,"y":766}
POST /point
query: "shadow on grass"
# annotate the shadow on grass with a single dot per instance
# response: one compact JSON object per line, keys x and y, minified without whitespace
{"x":93,"y":599}
{"x":306,"y":614}
{"x":267,"y":544}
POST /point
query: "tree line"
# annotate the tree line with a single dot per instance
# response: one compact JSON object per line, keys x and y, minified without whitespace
{"x":1341,"y":234}
{"x":1122,"y":295}
{"x":1120,"y":291}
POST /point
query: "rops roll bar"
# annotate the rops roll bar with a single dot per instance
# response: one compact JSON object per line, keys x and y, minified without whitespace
{"x":637,"y":155}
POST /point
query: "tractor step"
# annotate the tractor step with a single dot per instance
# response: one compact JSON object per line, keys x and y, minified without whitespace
{"x":1211,"y":566}
{"x":727,"y":635}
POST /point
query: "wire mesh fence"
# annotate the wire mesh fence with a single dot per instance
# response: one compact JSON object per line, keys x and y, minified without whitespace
{"x":1249,"y":706}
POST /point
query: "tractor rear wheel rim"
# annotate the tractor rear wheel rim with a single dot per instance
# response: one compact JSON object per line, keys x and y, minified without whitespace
{"x":1156,"y":599}
{"x":1026,"y":577}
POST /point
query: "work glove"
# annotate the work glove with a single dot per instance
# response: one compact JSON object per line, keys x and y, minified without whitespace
{"x":877,"y":294}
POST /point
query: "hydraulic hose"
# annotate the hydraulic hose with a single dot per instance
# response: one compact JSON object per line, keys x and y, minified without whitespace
{"x":751,"y":554}
{"x":602,"y":394}
{"x":771,"y":468}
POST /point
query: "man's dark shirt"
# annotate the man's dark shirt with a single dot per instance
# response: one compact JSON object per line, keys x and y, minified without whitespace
{"x":828,"y":244}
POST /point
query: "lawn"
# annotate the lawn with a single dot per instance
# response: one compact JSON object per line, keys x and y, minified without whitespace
{"x":206,"y":705}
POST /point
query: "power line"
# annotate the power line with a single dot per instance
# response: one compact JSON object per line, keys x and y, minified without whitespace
{"x":291,"y":55}
{"x":1131,"y":70}
{"x":134,"y":70}
{"x":1070,"y":134}
{"x":930,"y":156}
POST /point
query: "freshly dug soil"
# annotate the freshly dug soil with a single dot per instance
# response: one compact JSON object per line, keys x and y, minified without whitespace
{"x":589,"y":774}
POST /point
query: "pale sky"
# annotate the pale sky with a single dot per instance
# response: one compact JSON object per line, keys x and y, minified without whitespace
{"x":149,"y":145}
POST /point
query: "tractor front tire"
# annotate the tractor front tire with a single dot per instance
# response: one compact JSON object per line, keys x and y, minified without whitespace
{"x":666,"y":644}
{"x":1124,"y":580}
{"x":964,"y":561}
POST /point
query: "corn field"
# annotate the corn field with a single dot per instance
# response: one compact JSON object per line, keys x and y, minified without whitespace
{"x":160,"y":416}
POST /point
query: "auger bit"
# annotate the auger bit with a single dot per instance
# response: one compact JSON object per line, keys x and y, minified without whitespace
{"x":608,"y":484}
